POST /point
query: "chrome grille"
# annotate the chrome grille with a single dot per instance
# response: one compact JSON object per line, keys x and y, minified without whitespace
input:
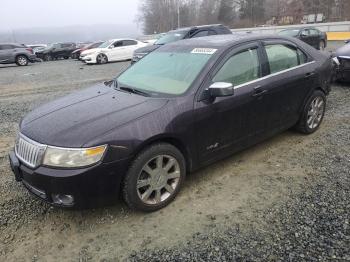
{"x":29,"y":151}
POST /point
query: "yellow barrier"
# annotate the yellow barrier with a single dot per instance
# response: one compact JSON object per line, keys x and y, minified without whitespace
{"x":338,"y":36}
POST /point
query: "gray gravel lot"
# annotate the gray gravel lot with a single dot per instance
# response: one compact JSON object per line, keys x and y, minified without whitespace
{"x":286,"y":199}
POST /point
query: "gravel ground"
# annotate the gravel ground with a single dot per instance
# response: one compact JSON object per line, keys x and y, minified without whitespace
{"x":312,"y":226}
{"x":286,"y":199}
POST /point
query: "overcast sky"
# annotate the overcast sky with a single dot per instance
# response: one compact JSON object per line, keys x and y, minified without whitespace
{"x":48,"y":13}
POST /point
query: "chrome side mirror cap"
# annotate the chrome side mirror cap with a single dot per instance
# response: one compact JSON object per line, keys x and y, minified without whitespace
{"x":221,"y":89}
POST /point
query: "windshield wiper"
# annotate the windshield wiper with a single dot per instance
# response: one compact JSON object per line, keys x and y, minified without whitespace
{"x":128,"y":89}
{"x":133,"y":90}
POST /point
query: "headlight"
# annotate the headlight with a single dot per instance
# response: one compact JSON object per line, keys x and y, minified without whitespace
{"x":64,"y":157}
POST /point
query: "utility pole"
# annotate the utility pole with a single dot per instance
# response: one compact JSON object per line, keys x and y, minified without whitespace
{"x":178,"y":13}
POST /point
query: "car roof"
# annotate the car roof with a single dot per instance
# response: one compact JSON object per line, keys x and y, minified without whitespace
{"x":197,"y":27}
{"x":217,"y":41}
{"x":222,"y":42}
{"x":120,"y":39}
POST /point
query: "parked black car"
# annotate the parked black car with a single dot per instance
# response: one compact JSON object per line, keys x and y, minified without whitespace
{"x":186,"y":105}
{"x":342,"y":59}
{"x":76,"y":53}
{"x":11,"y":53}
{"x":309,"y":35}
{"x":56,"y":51}
{"x":179,"y":34}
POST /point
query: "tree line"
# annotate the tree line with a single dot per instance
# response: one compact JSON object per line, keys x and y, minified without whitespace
{"x":158,"y":16}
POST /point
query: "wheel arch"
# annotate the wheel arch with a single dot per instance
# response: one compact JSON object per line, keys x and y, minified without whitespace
{"x":21,"y":54}
{"x":172,"y":140}
{"x":318,"y":88}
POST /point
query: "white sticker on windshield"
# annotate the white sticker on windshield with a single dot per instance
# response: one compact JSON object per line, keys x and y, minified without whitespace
{"x":205,"y":51}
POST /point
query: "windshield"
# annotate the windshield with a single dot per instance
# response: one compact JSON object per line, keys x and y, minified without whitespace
{"x":105,"y":44}
{"x":171,"y":37}
{"x":164,"y":72}
{"x":291,"y":32}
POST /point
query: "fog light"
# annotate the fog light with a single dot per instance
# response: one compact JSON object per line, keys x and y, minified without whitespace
{"x":64,"y":200}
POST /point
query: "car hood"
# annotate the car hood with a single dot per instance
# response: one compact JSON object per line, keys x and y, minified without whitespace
{"x":343,"y":51}
{"x":147,"y":49}
{"x":76,"y":119}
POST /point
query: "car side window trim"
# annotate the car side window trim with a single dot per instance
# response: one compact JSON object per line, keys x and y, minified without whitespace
{"x":272,"y":75}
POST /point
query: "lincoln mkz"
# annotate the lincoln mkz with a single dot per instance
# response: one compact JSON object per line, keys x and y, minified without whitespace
{"x":180,"y":108}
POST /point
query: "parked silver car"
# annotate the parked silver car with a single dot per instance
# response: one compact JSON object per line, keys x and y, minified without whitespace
{"x":11,"y":53}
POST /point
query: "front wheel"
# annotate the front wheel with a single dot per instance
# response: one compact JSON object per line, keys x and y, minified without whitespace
{"x":101,"y":59}
{"x":154,"y":178}
{"x":22,"y":60}
{"x":313,"y":113}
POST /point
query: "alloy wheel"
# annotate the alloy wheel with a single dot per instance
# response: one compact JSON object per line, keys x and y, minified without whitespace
{"x":22,"y":61}
{"x":315,"y":113}
{"x":158,"y":179}
{"x":102,"y":59}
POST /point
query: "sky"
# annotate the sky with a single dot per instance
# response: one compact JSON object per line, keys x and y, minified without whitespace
{"x":19,"y":14}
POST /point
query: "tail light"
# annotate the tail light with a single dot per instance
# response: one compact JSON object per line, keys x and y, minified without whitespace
{"x":30,"y":50}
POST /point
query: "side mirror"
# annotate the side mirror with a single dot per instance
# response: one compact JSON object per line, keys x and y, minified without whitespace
{"x":220,"y":89}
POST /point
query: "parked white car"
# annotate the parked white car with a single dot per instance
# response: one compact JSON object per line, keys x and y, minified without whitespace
{"x":111,"y":50}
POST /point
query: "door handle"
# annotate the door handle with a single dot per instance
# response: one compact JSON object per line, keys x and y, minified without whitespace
{"x":310,"y":74}
{"x":258,"y":91}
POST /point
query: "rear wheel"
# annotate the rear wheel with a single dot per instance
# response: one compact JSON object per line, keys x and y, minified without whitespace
{"x":22,"y":60}
{"x":313,"y":113}
{"x":154,"y":178}
{"x":101,"y":59}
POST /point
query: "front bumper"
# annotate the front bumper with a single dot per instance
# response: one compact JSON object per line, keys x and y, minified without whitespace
{"x":85,"y":186}
{"x":89,"y":59}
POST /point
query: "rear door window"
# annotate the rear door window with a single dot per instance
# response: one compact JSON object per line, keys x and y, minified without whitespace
{"x":240,"y":68}
{"x":314,"y":32}
{"x":281,"y":57}
{"x":129,"y":42}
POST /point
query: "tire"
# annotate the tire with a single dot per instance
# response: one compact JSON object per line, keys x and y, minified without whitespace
{"x":101,"y":59}
{"x":313,"y":113}
{"x":152,"y":190}
{"x":66,"y":57}
{"x":321,"y":45}
{"x":48,"y":57}
{"x":22,"y":60}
